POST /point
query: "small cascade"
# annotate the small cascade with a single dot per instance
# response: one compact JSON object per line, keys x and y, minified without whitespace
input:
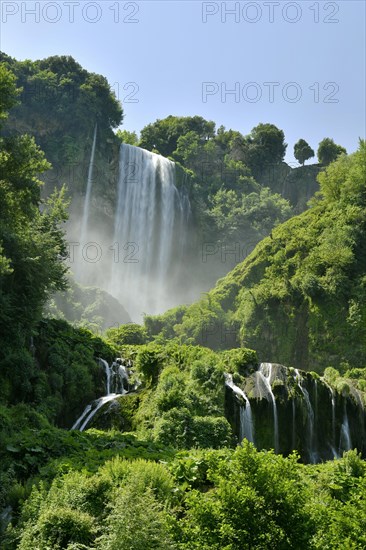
{"x":120,"y":376}
{"x":246,"y":419}
{"x":265,"y":374}
{"x":310,"y":417}
{"x":333,"y":404}
{"x":293,"y":424}
{"x":117,"y":380}
{"x":91,"y":409}
{"x":315,"y":431}
{"x":107,"y":368}
{"x":89,"y":185}
{"x":345,"y":443}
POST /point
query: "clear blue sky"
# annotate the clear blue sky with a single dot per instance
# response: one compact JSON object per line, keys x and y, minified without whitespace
{"x":310,"y":51}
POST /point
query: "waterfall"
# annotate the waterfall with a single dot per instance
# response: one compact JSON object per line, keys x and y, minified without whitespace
{"x":107,"y":375}
{"x":333,"y":405}
{"x":246,"y":419}
{"x":293,"y":424}
{"x":89,"y":185}
{"x":265,"y":374}
{"x":345,"y":443}
{"x":150,"y":232}
{"x":310,"y":417}
{"x":315,"y":431}
{"x":90,"y":410}
{"x":117,"y":378}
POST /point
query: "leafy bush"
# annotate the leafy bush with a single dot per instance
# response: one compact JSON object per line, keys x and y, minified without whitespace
{"x":126,"y":334}
{"x":56,"y":528}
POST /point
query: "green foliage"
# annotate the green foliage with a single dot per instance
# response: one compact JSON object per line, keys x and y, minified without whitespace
{"x":50,"y":85}
{"x":127,"y":137}
{"x":239,"y":360}
{"x":303,"y":151}
{"x":126,"y":334}
{"x":233,"y":499}
{"x":328,"y":151}
{"x":8,"y":91}
{"x":163,"y":135}
{"x":32,"y":250}
{"x":136,"y":522}
{"x":57,"y":528}
{"x":266,"y":146}
{"x":164,"y":324}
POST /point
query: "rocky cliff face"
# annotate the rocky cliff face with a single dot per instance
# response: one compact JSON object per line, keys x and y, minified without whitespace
{"x":296,"y":184}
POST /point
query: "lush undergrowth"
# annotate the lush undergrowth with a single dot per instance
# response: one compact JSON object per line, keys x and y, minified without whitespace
{"x":99,"y":496}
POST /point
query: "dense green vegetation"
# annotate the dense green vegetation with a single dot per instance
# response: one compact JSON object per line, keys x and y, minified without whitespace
{"x":48,"y":88}
{"x":205,"y":499}
{"x":32,"y":248}
{"x":299,"y":298}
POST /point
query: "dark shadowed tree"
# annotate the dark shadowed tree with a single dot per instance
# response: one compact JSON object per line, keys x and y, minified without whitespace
{"x":328,"y":151}
{"x":303,"y":151}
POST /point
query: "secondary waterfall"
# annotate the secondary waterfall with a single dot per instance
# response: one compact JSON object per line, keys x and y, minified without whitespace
{"x":310,"y":417}
{"x":150,"y":232}
{"x":345,"y":443}
{"x":117,"y":379}
{"x":246,"y":419}
{"x":333,"y":441}
{"x":265,"y":374}
{"x":89,"y":185}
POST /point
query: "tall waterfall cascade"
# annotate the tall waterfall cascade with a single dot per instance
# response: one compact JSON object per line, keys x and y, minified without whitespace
{"x":89,"y":185}
{"x":116,"y":385}
{"x":135,"y":248}
{"x":150,"y":232}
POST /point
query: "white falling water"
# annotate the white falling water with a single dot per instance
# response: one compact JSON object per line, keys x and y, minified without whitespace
{"x":332,"y":400}
{"x":107,"y":369}
{"x":345,"y":443}
{"x":116,"y":377}
{"x":310,"y":417}
{"x":246,"y":419}
{"x":89,"y":185}
{"x":149,"y":232}
{"x":265,"y":374}
{"x":293,"y":424}
{"x":90,"y":410}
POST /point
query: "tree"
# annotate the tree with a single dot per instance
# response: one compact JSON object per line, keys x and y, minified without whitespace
{"x":127,"y":137}
{"x":130,"y":333}
{"x":328,"y":151}
{"x":303,"y":151}
{"x":163,"y":135}
{"x":265,"y":145}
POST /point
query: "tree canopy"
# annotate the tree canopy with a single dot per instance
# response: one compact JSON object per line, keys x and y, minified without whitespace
{"x":303,"y":151}
{"x":328,"y":151}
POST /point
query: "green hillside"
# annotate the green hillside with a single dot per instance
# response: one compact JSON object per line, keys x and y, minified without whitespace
{"x":299,"y":298}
